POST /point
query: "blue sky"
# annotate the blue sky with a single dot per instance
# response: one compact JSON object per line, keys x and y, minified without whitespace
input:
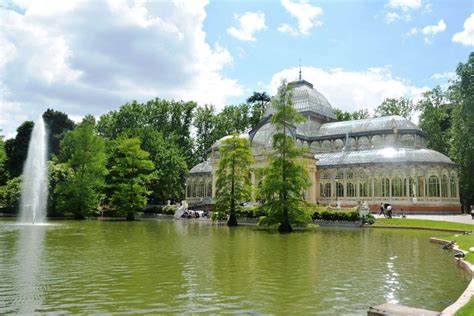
{"x":90,"y":56}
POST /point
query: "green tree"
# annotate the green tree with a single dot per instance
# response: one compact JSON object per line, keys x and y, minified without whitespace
{"x":17,"y":149}
{"x":462,"y":131}
{"x":3,"y":159}
{"x":435,"y":119}
{"x":342,"y":115}
{"x":204,"y":122}
{"x":391,"y":106}
{"x":131,"y":172}
{"x":285,"y":178}
{"x":232,"y":119}
{"x":233,"y":181}
{"x":10,"y":195}
{"x":58,"y":124}
{"x":258,"y":101}
{"x":360,"y":114}
{"x":83,"y":153}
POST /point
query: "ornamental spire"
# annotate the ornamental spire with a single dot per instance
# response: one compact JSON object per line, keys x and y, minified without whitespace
{"x":300,"y":69}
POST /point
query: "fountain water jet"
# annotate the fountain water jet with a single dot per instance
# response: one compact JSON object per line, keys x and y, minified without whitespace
{"x":34,"y":192}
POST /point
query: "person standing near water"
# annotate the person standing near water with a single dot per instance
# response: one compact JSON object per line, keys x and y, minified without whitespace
{"x":382,"y":209}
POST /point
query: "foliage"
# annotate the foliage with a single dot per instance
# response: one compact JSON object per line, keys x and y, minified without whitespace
{"x":58,"y":124}
{"x":391,"y":106}
{"x":250,"y":212}
{"x":130,"y":175}
{"x":16,"y":149}
{"x":435,"y":119}
{"x":10,"y":194}
{"x":405,"y":222}
{"x":81,"y":178}
{"x":347,"y":116}
{"x":204,"y":122}
{"x":360,"y":114}
{"x":368,"y":219}
{"x":336,"y":216}
{"x":233,"y":181}
{"x":168,"y":209}
{"x":58,"y":173}
{"x":285,"y":177}
{"x":258,"y":101}
{"x":462,"y":131}
{"x":3,"y":159}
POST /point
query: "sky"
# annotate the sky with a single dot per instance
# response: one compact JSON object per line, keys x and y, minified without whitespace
{"x":92,"y":56}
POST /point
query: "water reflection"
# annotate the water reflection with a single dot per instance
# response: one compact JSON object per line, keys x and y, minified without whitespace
{"x":29,"y":269}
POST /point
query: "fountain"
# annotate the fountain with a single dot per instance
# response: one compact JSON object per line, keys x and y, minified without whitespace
{"x":34,"y":185}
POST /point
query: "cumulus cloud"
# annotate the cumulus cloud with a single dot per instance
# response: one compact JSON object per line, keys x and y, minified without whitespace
{"x":91,"y":56}
{"x":352,"y":90}
{"x":429,"y":31}
{"x":249,"y":24}
{"x":305,"y":14}
{"x":466,"y":36}
{"x":405,"y":5}
{"x":399,"y":10}
{"x":448,"y":75}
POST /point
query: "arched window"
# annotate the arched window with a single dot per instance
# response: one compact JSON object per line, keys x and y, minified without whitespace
{"x":188,"y":189}
{"x":421,"y":186}
{"x":385,"y":187}
{"x":339,"y":189}
{"x":433,"y":186}
{"x":338,"y":144}
{"x":389,"y":139}
{"x":363,"y":189}
{"x":411,"y":187}
{"x":363,"y":142}
{"x":397,"y":187}
{"x":376,"y":188}
{"x":326,"y":145}
{"x":327,"y":190}
{"x":452,"y":181}
{"x":444,"y":186}
{"x":326,"y":175}
{"x":349,"y":175}
{"x":408,"y":140}
{"x":209,"y":188}
{"x":340,"y":175}
{"x":377,"y":140}
{"x":351,"y":192}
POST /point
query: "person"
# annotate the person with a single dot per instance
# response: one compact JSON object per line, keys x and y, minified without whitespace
{"x":382,"y":209}
{"x":472,"y":211}
{"x":403,"y":213}
{"x":389,"y":211}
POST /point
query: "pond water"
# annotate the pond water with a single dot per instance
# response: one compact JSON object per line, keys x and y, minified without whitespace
{"x":166,"y":266}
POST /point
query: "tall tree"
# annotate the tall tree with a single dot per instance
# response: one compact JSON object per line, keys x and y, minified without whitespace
{"x":285,"y":177}
{"x":131,"y":172}
{"x":233,"y":181}
{"x":17,"y":149}
{"x":258,"y":101}
{"x":360,"y":114}
{"x":401,"y":106}
{"x":58,"y":124}
{"x":3,"y":159}
{"x":204,"y":122}
{"x":462,"y":131}
{"x":342,"y":115}
{"x":435,"y":119}
{"x":83,"y":153}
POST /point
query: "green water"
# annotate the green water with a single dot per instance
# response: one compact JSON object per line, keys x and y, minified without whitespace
{"x":166,"y":266}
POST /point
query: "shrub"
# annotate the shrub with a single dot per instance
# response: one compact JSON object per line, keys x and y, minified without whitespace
{"x":368,"y":219}
{"x":218,"y":216}
{"x":169,"y":209}
{"x":333,"y":216}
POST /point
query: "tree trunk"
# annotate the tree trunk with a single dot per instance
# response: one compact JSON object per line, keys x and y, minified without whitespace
{"x":285,"y":227}
{"x":232,"y":221}
{"x":130,"y":216}
{"x":79,"y":216}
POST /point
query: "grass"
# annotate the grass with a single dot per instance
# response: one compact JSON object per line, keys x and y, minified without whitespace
{"x":467,"y":309}
{"x":403,"y":222}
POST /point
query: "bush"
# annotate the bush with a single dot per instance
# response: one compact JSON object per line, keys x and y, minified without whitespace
{"x":368,"y":219}
{"x":335,"y":216}
{"x":218,"y":216}
{"x":250,"y":212}
{"x":169,"y":209}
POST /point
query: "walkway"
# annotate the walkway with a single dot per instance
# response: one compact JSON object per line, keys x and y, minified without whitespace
{"x":462,"y":218}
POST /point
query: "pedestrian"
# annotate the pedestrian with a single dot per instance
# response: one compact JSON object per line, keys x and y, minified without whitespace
{"x":382,"y":209}
{"x":472,"y":211}
{"x":389,"y":211}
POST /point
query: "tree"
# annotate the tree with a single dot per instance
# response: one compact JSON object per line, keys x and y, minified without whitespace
{"x":58,"y":124}
{"x":233,"y":181}
{"x":360,"y":114}
{"x":10,"y":194}
{"x":130,"y":176}
{"x":232,"y":119}
{"x":258,"y":101}
{"x":17,"y":149}
{"x":285,"y":177}
{"x":204,"y":122}
{"x":342,"y":115}
{"x":462,"y":131}
{"x":3,"y":159}
{"x":83,"y":153}
{"x":401,"y":106}
{"x":435,"y":119}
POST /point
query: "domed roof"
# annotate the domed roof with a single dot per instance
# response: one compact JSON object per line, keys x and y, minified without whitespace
{"x":218,"y":142}
{"x":307,"y":99}
{"x":203,"y":167}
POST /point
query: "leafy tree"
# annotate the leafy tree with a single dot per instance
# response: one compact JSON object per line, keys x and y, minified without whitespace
{"x":3,"y":159}
{"x":204,"y":122}
{"x":58,"y":173}
{"x":258,"y":101}
{"x":10,"y":194}
{"x":17,"y":149}
{"x":360,"y":114}
{"x":58,"y":124}
{"x":342,"y":115}
{"x":233,"y":181}
{"x":401,"y":106}
{"x":285,"y":177}
{"x":462,"y":131}
{"x":435,"y":119}
{"x":83,"y":153}
{"x":130,"y":176}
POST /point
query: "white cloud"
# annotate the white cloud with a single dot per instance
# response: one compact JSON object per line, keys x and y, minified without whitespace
{"x":88,"y":57}
{"x":428,"y":31}
{"x":306,"y":15}
{"x":405,"y":5}
{"x":466,"y":37}
{"x":249,"y":24}
{"x":352,"y":90}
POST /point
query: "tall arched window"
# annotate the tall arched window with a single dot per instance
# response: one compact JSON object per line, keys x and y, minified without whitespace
{"x":411,"y":187}
{"x":452,"y":181}
{"x":397,"y":187}
{"x":327,"y":190}
{"x":444,"y":186}
{"x":351,"y":192}
{"x":339,"y":189}
{"x":421,"y":186}
{"x":363,"y":189}
{"x":376,"y":188}
{"x":433,"y":186}
{"x":188,"y":189}
{"x":209,"y":188}
{"x":385,"y":187}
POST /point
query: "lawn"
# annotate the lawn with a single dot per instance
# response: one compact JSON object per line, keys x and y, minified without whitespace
{"x":467,"y":310}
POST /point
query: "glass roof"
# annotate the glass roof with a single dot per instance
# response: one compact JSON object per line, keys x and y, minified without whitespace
{"x":307,"y":99}
{"x":203,"y":167}
{"x":382,"y":155}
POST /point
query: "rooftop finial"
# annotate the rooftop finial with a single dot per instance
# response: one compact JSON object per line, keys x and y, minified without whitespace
{"x":300,"y":69}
